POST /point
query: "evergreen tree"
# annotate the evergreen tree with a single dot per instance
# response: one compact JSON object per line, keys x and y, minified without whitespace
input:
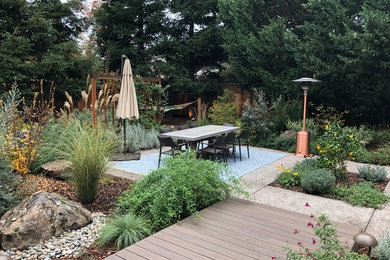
{"x":132,"y":28}
{"x":38,"y":41}
{"x":260,"y":41}
{"x":191,"y":54}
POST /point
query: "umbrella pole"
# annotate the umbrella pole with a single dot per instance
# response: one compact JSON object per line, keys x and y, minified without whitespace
{"x":124,"y":135}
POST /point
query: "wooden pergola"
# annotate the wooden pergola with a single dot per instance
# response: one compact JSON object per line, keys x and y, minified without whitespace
{"x":112,"y":78}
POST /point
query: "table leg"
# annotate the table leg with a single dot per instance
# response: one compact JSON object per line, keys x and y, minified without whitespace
{"x":193,"y":145}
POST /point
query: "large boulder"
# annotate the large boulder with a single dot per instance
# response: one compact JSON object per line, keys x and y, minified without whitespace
{"x":60,"y":169}
{"x":40,"y":217}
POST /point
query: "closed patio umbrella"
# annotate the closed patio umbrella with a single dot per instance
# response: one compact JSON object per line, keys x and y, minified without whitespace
{"x":127,"y":104}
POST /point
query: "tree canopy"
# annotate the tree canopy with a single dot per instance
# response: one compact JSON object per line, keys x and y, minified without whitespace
{"x":174,"y":39}
{"x":343,"y":43}
{"x":38,"y":40}
{"x":194,"y":45}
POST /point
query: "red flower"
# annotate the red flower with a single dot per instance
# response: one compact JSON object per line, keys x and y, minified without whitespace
{"x":314,"y":241}
{"x":307,"y":204}
{"x":295,"y":231}
{"x":308,"y":254}
{"x":273,"y":258}
{"x":309,"y":224}
{"x":341,"y":254}
{"x":299,"y":244}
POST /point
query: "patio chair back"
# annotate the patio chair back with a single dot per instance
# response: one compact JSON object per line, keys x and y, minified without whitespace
{"x":244,"y":134}
{"x":230,"y":138}
{"x":219,"y":142}
{"x":166,"y":141}
{"x":193,"y":125}
{"x":165,"y":130}
{"x":183,"y":127}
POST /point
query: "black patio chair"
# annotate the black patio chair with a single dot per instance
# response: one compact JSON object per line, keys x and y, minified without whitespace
{"x":216,"y":148}
{"x":230,"y":142}
{"x":167,"y":142}
{"x":243,"y":139}
{"x":193,"y":125}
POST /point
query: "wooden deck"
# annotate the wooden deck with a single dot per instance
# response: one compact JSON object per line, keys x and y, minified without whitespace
{"x":231,"y":229}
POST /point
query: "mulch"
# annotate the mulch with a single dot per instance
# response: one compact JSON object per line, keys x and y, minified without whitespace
{"x":352,"y":178}
{"x":110,"y":189}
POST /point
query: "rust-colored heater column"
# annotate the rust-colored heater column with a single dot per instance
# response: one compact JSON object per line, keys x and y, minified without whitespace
{"x":303,"y":137}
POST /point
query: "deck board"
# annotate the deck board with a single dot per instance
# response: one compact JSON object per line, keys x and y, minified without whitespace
{"x":232,"y":229}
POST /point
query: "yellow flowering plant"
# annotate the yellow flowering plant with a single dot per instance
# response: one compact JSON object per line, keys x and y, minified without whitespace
{"x":335,"y":146}
{"x":288,"y":178}
{"x":24,"y":131}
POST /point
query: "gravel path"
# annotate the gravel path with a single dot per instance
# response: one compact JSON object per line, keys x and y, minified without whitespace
{"x":69,"y":244}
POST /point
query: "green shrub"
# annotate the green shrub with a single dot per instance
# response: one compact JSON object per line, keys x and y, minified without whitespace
{"x":318,"y":181}
{"x":275,"y":142}
{"x":379,"y":157}
{"x":52,"y":138}
{"x":363,"y":194}
{"x":123,"y":231}
{"x":380,"y":137}
{"x":383,"y":248}
{"x":335,"y":146}
{"x":224,"y":110}
{"x":372,"y":173}
{"x":8,"y":187}
{"x":306,"y":165}
{"x":88,"y":150}
{"x":281,"y":111}
{"x":311,"y":126}
{"x":289,"y":178}
{"x":177,"y":190}
{"x":254,"y":117}
{"x":329,"y":245}
{"x":139,"y":138}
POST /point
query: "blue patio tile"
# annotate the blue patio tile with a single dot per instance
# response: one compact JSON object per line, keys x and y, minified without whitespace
{"x":258,"y":158}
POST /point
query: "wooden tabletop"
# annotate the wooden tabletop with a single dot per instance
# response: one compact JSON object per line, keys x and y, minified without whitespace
{"x":201,"y":132}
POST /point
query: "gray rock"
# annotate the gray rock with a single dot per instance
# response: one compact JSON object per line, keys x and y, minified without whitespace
{"x":289,"y":134}
{"x":60,"y":169}
{"x":40,"y":217}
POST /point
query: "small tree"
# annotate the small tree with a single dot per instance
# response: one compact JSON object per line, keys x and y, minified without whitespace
{"x":335,"y":146}
{"x":224,"y":110}
{"x":254,"y":117}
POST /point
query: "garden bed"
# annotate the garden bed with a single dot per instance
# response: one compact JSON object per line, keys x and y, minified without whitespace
{"x":110,"y":189}
{"x":351,"y":178}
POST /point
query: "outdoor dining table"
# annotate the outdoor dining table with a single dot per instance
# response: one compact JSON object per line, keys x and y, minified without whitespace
{"x":196,"y":134}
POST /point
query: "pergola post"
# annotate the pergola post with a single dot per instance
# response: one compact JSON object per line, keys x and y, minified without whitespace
{"x":93,"y":101}
{"x":199,"y":106}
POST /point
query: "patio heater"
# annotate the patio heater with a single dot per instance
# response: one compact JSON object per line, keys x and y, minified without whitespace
{"x":303,"y":137}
